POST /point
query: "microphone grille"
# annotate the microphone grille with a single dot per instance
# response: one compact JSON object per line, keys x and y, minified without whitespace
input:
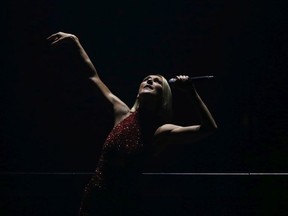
{"x":172,"y":80}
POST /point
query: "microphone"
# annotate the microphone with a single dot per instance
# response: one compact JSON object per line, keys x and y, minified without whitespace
{"x":191,"y":79}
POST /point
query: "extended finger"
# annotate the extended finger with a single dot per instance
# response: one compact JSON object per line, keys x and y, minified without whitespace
{"x":56,"y":40}
{"x":182,"y":77}
{"x":53,"y":36}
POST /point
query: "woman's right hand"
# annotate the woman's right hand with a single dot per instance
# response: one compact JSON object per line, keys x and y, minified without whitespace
{"x":62,"y":37}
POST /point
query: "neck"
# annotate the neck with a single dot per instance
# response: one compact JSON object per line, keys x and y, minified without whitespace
{"x":148,"y":117}
{"x":149,"y":105}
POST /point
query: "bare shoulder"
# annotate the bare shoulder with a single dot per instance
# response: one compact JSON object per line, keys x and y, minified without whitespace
{"x":121,"y":111}
{"x":118,"y":105}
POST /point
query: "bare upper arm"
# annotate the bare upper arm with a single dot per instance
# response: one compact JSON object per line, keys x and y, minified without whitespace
{"x":119,"y":107}
{"x":174,"y":134}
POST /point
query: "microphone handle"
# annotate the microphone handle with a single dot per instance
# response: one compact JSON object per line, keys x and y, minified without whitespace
{"x":191,"y":79}
{"x":200,"y":77}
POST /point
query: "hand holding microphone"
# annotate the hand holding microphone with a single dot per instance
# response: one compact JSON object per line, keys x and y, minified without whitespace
{"x":187,"y":79}
{"x":186,"y":83}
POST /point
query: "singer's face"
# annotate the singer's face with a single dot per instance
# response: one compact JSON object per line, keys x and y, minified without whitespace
{"x":151,"y":85}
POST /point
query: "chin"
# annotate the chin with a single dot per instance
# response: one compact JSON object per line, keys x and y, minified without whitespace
{"x":147,"y":92}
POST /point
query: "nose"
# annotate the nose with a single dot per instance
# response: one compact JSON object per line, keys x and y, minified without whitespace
{"x":149,"y":81}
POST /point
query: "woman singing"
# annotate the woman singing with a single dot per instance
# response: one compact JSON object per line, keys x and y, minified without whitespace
{"x":138,"y":133}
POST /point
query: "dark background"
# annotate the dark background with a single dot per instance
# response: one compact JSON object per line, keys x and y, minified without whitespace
{"x":54,"y":121}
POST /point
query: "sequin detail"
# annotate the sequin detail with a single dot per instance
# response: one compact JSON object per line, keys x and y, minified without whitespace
{"x":120,"y":160}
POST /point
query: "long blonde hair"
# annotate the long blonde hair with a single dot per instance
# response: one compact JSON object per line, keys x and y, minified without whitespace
{"x":165,"y":113}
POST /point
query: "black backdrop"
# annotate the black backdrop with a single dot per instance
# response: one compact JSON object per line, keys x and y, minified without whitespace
{"x":54,"y":120}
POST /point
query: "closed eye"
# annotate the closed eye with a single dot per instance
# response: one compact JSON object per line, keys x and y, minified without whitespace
{"x":155,"y":79}
{"x":158,"y":81}
{"x":146,"y":78}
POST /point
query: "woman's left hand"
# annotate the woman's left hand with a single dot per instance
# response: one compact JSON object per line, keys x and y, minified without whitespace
{"x":183,"y":83}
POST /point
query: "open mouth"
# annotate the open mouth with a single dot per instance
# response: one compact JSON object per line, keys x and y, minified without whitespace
{"x":148,"y":86}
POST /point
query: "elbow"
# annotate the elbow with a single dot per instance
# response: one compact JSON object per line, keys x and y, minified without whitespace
{"x":214,"y":127}
{"x":209,"y":129}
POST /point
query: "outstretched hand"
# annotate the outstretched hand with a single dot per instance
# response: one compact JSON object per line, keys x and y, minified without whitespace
{"x":62,"y":37}
{"x":80,"y":59}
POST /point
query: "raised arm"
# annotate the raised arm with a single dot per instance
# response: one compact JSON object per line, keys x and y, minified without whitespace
{"x":176,"y":134}
{"x":120,"y":108}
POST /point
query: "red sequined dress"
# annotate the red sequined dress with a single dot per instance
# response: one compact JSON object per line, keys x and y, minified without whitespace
{"x":113,"y":188}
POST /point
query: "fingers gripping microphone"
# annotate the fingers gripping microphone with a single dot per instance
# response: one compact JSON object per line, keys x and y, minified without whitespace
{"x":191,"y":79}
